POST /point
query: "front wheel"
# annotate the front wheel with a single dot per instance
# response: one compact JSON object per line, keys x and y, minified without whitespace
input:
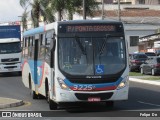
{"x":153,"y":72}
{"x":33,"y":93}
{"x":130,"y":69}
{"x":52,"y":104}
{"x":142,"y":72}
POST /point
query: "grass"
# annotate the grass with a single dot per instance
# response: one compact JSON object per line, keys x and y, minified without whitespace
{"x":151,"y":78}
{"x":144,"y":77}
{"x":135,"y":74}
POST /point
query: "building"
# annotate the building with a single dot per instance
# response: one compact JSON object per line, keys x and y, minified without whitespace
{"x":135,"y":2}
{"x":140,"y":18}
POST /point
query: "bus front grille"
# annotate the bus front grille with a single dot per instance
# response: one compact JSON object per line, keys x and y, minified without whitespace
{"x":93,"y":81}
{"x":10,"y":60}
{"x":102,"y":96}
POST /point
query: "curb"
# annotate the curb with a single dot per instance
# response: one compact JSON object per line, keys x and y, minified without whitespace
{"x":8,"y":103}
{"x":144,"y":81}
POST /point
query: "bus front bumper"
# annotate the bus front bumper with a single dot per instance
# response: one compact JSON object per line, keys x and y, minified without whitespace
{"x":10,"y":67}
{"x":97,"y":96}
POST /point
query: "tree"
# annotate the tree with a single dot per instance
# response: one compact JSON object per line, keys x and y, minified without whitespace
{"x":58,"y":6}
{"x":47,"y":9}
{"x":24,"y":19}
{"x":72,"y":6}
{"x":39,"y":8}
{"x":91,"y":6}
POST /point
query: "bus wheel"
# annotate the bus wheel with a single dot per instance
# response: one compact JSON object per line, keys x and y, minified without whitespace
{"x":19,"y":73}
{"x":153,"y":72}
{"x":52,"y":104}
{"x":33,"y":93}
{"x":110,"y":104}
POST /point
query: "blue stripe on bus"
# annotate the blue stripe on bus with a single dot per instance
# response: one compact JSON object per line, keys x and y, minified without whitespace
{"x":34,"y":31}
{"x":33,"y":69}
{"x":101,"y":85}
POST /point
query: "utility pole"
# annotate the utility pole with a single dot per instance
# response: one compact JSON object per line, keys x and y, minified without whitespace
{"x":102,"y":9}
{"x":84,"y":9}
{"x":119,"y":11}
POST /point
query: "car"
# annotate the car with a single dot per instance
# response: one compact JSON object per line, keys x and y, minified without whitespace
{"x":151,"y":66}
{"x":157,"y":52}
{"x":150,"y":54}
{"x":135,"y":60}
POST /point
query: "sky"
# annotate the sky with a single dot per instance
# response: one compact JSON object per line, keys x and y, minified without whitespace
{"x":10,"y":10}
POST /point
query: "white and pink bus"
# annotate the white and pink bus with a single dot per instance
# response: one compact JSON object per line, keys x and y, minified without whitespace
{"x":76,"y":61}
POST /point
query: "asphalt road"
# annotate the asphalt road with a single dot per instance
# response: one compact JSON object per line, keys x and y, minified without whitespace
{"x":142,"y":97}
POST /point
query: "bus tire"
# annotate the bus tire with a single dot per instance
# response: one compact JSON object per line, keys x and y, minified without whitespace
{"x":32,"y":92}
{"x":53,"y":105}
{"x":153,"y":72}
{"x":110,"y":104}
{"x":34,"y":95}
{"x":20,"y":73}
{"x":47,"y":90}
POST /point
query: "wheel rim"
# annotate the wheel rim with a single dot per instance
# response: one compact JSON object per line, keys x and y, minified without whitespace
{"x":141,"y":70}
{"x":130,"y":68}
{"x":153,"y":72}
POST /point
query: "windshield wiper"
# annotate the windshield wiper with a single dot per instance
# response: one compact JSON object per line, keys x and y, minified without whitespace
{"x":80,"y":45}
{"x":103,"y":45}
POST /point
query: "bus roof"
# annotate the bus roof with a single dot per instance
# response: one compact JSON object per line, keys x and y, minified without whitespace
{"x":9,"y":40}
{"x":88,"y":21}
{"x":51,"y":25}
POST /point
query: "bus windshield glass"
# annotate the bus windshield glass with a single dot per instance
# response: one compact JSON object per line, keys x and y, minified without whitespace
{"x":13,"y":47}
{"x":92,"y":55}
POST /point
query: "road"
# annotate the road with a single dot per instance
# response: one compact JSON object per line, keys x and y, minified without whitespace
{"x":142,"y":97}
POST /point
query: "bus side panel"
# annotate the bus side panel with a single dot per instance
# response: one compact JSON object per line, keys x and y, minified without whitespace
{"x":44,"y":73}
{"x":25,"y":73}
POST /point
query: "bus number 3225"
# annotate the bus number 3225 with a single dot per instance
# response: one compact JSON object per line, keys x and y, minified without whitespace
{"x":83,"y":87}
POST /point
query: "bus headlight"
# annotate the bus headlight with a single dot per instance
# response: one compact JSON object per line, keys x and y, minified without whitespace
{"x":62,"y":84}
{"x":124,"y":82}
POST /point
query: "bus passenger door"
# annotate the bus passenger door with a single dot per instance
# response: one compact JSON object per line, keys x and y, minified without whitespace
{"x":35,"y":72}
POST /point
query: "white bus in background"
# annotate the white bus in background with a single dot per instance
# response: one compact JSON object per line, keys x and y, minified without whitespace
{"x":10,"y":49}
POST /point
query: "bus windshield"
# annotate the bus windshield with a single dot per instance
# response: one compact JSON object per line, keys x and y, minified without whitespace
{"x":92,"y":56}
{"x":6,"y":48}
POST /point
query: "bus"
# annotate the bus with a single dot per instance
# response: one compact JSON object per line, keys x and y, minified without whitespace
{"x":10,"y":49}
{"x":76,"y":61}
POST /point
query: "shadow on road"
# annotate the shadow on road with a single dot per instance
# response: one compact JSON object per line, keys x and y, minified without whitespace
{"x":13,"y":74}
{"x":140,"y":99}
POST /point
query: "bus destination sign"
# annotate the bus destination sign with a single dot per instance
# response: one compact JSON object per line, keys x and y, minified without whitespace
{"x":90,"y":28}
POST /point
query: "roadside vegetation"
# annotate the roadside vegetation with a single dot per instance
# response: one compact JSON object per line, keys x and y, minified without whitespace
{"x":144,"y":77}
{"x":135,"y":74}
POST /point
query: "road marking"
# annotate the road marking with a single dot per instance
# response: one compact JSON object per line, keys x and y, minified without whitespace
{"x":149,"y":103}
{"x":26,"y":104}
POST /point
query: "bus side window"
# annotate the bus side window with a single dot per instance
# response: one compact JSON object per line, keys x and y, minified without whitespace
{"x":24,"y":43}
{"x":47,"y":42}
{"x":26,"y":48}
{"x":29,"y":49}
{"x":33,"y":46}
{"x":48,"y":38}
{"x":41,"y":54}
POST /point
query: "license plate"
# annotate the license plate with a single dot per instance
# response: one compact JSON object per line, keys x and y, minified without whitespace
{"x":10,"y":69}
{"x":94,"y":99}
